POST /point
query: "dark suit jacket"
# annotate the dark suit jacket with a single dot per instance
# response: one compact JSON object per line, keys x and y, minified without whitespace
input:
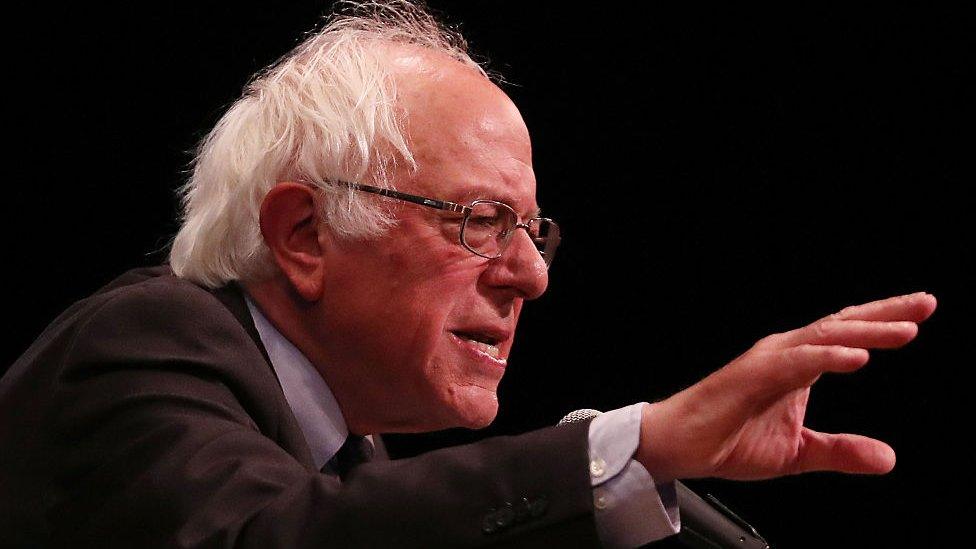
{"x":148,"y":415}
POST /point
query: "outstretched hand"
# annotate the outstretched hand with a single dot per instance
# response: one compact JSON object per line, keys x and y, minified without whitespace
{"x":745,"y":421}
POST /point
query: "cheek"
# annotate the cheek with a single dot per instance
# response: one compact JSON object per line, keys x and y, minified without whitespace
{"x":414,"y":323}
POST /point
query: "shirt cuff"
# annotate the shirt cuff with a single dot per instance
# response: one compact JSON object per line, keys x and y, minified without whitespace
{"x":630,"y":509}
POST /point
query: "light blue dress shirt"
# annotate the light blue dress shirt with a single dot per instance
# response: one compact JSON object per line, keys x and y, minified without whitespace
{"x":630,"y":509}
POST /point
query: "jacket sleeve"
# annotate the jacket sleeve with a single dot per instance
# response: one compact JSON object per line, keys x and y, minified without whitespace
{"x":168,"y":428}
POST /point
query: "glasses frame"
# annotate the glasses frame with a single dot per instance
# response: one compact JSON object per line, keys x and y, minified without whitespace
{"x":466,"y":211}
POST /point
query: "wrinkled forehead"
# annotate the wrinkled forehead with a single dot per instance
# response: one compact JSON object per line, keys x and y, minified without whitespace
{"x":467,"y":137}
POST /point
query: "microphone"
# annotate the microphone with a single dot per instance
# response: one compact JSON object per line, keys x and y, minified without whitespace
{"x":705,"y":523}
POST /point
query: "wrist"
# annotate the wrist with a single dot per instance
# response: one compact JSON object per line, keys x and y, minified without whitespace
{"x":653,"y":448}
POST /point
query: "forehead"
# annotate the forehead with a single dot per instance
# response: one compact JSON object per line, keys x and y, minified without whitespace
{"x":467,"y":137}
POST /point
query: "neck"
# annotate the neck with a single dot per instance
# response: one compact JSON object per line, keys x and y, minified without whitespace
{"x":296,"y":319}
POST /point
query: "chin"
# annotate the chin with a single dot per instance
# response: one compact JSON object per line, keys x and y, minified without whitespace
{"x":476,"y":408}
{"x":481,"y":420}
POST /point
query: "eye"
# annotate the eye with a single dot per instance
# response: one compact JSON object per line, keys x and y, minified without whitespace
{"x":485,"y":220}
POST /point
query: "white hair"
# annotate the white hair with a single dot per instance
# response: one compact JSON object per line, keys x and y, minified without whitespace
{"x":324,"y":112}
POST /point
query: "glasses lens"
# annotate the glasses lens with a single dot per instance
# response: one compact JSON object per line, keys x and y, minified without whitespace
{"x":488,"y":227}
{"x":545,"y":234}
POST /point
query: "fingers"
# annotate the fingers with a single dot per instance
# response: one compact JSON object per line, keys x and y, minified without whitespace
{"x":772,"y":374}
{"x":866,"y":334}
{"x":844,"y":453}
{"x":883,"y":324}
{"x":913,"y":307}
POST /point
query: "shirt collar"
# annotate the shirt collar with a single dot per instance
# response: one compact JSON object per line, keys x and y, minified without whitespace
{"x":310,"y":399}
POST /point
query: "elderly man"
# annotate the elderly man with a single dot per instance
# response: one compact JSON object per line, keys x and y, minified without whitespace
{"x":360,"y":234}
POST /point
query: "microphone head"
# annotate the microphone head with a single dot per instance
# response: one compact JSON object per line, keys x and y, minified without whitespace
{"x":579,"y":415}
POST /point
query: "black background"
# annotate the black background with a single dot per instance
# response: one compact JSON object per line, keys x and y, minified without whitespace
{"x":718,"y":174}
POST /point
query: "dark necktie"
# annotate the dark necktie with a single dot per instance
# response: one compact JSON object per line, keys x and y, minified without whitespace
{"x":354,"y":451}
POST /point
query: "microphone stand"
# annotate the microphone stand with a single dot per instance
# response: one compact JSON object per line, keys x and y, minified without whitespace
{"x":707,"y":524}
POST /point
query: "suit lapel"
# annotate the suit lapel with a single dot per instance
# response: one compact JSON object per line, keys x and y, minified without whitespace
{"x":232,"y":297}
{"x":289,"y":434}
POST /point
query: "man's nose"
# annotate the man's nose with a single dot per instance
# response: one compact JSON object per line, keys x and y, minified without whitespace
{"x":520,"y":267}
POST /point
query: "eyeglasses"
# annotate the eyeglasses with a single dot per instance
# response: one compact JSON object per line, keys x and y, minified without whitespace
{"x":488,"y":225}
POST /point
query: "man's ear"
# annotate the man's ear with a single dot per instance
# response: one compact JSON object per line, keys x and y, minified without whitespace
{"x":290,"y":227}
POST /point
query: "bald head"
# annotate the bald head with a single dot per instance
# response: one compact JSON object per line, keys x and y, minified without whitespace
{"x":451,"y":111}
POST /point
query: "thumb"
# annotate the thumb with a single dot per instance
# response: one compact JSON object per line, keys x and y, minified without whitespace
{"x":846,"y":453}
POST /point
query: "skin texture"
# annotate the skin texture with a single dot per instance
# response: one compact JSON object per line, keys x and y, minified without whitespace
{"x":379,"y":318}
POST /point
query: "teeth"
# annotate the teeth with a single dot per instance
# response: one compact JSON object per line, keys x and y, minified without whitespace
{"x":490,"y":350}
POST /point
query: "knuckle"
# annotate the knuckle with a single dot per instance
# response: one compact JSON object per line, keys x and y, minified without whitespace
{"x":845,"y":312}
{"x":833,"y":352}
{"x":823,"y":328}
{"x":841,"y":356}
{"x":811,"y":353}
{"x":798,"y":354}
{"x":806,"y":348}
{"x":769,"y":341}
{"x":817,"y":357}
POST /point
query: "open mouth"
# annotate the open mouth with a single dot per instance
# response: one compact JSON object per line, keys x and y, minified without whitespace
{"x":484,"y":344}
